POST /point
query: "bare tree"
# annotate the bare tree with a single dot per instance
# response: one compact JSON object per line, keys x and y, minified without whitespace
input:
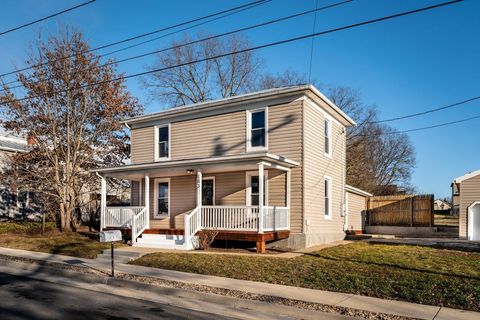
{"x":71,"y":109}
{"x":379,"y":159}
{"x":211,"y":79}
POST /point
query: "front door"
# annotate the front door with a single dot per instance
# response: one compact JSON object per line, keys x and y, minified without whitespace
{"x":208,"y":191}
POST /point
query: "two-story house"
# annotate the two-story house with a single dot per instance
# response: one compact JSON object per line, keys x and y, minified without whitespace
{"x":264,"y":166}
{"x":466,"y":203}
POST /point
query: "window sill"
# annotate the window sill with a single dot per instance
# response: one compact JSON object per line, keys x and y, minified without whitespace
{"x":325,"y":217}
{"x":161,"y":159}
{"x":256,"y":149}
{"x":328,"y":155}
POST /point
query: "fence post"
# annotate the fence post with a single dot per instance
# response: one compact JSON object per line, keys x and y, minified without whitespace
{"x":412,"y":199}
{"x":431,"y":211}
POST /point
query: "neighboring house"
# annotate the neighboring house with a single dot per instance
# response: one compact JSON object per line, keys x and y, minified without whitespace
{"x":356,"y":205}
{"x":11,"y":200}
{"x":466,"y":201}
{"x":440,"y":204}
{"x":264,"y":166}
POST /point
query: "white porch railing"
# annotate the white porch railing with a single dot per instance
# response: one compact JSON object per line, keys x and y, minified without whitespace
{"x":120,"y":217}
{"x":276,"y":218}
{"x":134,"y":218}
{"x":139,"y":224}
{"x":223,"y":218}
{"x":234,"y":218}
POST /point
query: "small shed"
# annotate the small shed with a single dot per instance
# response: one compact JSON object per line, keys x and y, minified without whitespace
{"x":356,"y":206}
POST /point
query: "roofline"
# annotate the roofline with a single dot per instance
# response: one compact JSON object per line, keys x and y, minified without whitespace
{"x":201,"y":106}
{"x":211,"y":160}
{"x":466,"y":176}
{"x":12,"y":149}
{"x":358,"y":191}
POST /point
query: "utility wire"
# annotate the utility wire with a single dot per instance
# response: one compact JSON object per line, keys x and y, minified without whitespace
{"x":254,"y":48}
{"x":427,"y":111}
{"x":45,"y":18}
{"x":423,"y":128}
{"x":139,"y":36}
{"x":312,"y":44}
{"x":216,"y":36}
{"x":156,"y":38}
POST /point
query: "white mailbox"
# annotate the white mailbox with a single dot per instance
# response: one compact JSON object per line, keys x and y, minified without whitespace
{"x":110,"y":236}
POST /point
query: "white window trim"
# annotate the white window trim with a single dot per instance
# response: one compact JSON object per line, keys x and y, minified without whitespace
{"x":157,"y":158}
{"x":249,"y":130}
{"x":210,"y":178}
{"x":328,"y":154}
{"x":248,"y":184}
{"x":330,"y":183}
{"x":155,"y":195}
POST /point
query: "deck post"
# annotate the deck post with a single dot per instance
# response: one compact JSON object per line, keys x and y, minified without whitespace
{"x":260,"y":196}
{"x":103,"y":202}
{"x":289,"y":188}
{"x":199,"y":188}
{"x":147,"y":198}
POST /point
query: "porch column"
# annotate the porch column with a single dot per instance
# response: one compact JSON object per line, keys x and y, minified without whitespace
{"x":289,"y":192}
{"x":147,"y":198}
{"x":103,"y":202}
{"x":260,"y":196}
{"x":199,"y":188}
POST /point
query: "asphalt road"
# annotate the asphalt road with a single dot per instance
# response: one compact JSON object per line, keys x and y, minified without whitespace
{"x":25,"y":298}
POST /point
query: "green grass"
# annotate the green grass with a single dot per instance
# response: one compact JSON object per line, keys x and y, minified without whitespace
{"x":409,"y":273}
{"x":27,"y":236}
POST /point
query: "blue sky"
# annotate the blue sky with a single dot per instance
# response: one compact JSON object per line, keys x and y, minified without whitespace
{"x":402,"y":66}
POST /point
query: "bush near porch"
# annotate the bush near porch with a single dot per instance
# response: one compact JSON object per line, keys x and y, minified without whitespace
{"x":27,"y":236}
{"x":416,"y":274}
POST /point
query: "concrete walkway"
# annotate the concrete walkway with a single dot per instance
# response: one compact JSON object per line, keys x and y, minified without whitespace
{"x":303,"y":294}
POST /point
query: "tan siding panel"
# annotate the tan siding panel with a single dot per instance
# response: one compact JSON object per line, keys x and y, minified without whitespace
{"x":219,"y":135}
{"x":285,"y":139}
{"x":356,"y":211}
{"x":317,"y":166}
{"x":276,"y":188}
{"x":142,"y":145}
{"x":135,"y":193}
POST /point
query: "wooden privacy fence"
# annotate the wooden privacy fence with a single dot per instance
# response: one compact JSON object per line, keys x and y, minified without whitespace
{"x":401,"y":210}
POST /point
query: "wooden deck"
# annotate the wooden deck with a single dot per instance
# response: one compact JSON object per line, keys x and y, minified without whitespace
{"x":259,"y":239}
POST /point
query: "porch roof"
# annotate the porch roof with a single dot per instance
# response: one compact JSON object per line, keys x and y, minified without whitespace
{"x":207,"y":165}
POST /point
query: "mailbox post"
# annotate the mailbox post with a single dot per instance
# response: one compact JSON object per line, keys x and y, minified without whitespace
{"x":111,"y":236}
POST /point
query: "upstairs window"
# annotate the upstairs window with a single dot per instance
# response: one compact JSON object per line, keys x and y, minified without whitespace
{"x":163,"y":143}
{"x":328,"y":197}
{"x":257,"y":125}
{"x":327,"y":126}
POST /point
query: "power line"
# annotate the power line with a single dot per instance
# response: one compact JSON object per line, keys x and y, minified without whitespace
{"x":46,"y":18}
{"x":296,"y":15}
{"x":423,"y":128}
{"x":140,"y":36}
{"x":254,"y":48}
{"x":427,"y":111}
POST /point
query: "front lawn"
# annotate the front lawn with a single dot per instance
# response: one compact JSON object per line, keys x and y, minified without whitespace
{"x":410,"y":273}
{"x":27,"y":236}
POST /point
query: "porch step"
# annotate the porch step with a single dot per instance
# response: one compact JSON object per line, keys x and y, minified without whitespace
{"x":161,"y":241}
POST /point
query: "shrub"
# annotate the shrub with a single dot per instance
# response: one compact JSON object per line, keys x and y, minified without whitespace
{"x":206,"y":237}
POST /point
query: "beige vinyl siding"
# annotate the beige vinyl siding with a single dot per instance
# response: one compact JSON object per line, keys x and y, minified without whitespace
{"x":317,"y":166}
{"x":285,"y":139}
{"x":356,"y":211}
{"x":135,"y":193}
{"x":142,"y":142}
{"x":213,"y":136}
{"x":230,"y":188}
{"x":276,"y":188}
{"x":469,"y":193}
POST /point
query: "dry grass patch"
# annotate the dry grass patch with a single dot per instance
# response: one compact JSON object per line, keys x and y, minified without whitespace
{"x":27,"y":236}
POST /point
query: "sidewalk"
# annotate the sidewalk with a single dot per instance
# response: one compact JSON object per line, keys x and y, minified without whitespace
{"x":369,"y":304}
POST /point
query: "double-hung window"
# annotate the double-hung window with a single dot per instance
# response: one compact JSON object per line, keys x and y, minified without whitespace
{"x":257,"y":129}
{"x":162,"y":147}
{"x":327,"y":127}
{"x":328,"y":197}
{"x":162,"y":201}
